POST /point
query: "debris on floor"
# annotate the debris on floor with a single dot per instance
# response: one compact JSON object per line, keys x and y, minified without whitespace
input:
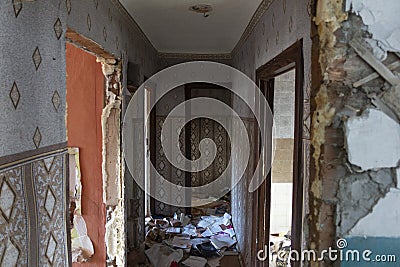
{"x":280,"y":247}
{"x":197,"y":240}
{"x":163,"y":256}
{"x":194,"y":261}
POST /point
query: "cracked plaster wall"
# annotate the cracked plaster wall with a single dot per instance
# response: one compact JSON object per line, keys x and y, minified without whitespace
{"x":347,"y":198}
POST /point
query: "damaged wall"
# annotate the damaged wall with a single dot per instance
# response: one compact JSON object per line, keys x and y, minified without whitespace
{"x":84,"y":131}
{"x":33,"y":69}
{"x":40,"y":88}
{"x":113,"y":179}
{"x":355,"y":129}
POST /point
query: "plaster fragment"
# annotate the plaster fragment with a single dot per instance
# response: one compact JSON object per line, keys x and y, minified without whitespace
{"x":112,"y":185}
{"x":384,"y":211}
{"x":81,"y":245}
{"x":382,"y":21}
{"x":115,"y":235}
{"x":373,"y":140}
{"x":358,"y":194}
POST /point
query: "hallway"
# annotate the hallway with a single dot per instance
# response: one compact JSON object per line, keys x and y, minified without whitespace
{"x":214,"y":133}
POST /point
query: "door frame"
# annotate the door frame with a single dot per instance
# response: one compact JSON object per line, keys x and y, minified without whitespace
{"x":291,"y":58}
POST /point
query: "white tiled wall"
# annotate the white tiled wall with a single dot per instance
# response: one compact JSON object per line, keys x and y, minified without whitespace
{"x":281,"y":207}
{"x":284,"y":101}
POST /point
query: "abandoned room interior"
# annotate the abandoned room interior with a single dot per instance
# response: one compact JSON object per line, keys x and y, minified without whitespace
{"x":199,"y":133}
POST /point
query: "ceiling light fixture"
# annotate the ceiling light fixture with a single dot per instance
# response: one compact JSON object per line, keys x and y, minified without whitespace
{"x":202,"y":9}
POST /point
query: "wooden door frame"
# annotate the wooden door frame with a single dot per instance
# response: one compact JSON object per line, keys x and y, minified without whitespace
{"x":291,"y":58}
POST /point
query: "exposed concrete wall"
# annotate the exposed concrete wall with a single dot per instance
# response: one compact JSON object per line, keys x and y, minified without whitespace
{"x":284,"y":102}
{"x":354,"y":167}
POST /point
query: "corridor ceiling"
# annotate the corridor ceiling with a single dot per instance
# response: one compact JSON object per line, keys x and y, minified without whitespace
{"x":172,"y":28}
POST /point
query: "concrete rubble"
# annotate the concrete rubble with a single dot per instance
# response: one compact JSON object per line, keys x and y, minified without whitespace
{"x":373,"y":140}
{"x":382,"y":22}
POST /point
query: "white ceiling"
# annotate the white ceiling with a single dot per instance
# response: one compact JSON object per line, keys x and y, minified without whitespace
{"x":172,"y":28}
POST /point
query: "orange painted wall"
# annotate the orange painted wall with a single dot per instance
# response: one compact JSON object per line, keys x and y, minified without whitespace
{"x":85,"y":101}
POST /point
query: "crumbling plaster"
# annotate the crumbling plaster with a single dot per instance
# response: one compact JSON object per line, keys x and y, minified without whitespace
{"x":113,"y":184}
{"x":342,"y":194}
{"x":382,"y":21}
{"x":369,"y":148}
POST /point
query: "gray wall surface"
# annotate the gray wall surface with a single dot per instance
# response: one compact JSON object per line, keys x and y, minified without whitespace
{"x":32,"y":69}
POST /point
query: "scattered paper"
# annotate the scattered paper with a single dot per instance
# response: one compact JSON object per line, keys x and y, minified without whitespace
{"x":215,"y":228}
{"x":189,"y":230}
{"x":207,"y":233}
{"x":179,"y":242}
{"x":226,"y":219}
{"x":230,"y":232}
{"x":207,"y":221}
{"x":162,"y":256}
{"x":173,"y":230}
{"x":194,"y":261}
{"x":222,"y":241}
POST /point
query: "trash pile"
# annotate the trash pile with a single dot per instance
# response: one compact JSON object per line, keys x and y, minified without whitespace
{"x":280,"y":247}
{"x":196,"y":240}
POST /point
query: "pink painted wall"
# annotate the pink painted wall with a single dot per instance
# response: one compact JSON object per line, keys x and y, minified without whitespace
{"x":85,"y":101}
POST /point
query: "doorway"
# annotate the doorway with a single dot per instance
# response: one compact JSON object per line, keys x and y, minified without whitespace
{"x":85,"y":100}
{"x":280,"y":198}
{"x":189,"y":140}
{"x":93,"y":131}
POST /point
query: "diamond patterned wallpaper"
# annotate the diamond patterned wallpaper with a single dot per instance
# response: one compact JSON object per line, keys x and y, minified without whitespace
{"x":50,"y":202}
{"x":13,"y":219}
{"x":275,"y":31}
{"x":199,"y":129}
{"x":32,"y":73}
{"x":32,"y":108}
{"x":32,"y":213}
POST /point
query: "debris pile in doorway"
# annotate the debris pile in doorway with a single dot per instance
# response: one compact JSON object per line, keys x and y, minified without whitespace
{"x":280,"y":247}
{"x":198,"y":240}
